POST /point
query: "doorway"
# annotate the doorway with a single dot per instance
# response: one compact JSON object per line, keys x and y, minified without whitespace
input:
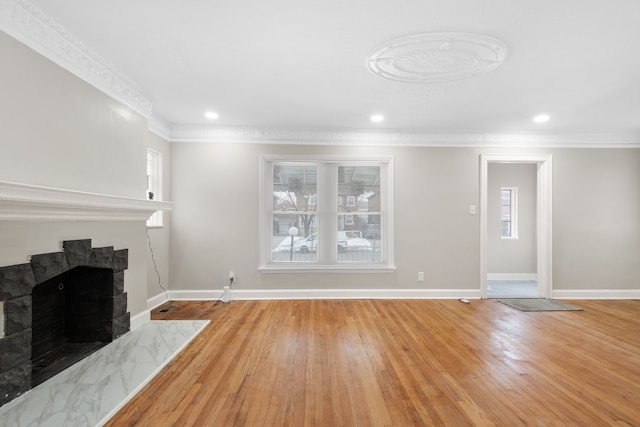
{"x":543,"y":230}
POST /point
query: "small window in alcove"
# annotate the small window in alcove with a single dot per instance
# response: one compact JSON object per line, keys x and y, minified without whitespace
{"x":1,"y":319}
{"x":154,"y":184}
{"x":509,"y":212}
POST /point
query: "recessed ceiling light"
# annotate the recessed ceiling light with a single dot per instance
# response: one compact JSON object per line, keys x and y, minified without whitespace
{"x":211,"y":115}
{"x":541,"y":118}
{"x":377,"y":118}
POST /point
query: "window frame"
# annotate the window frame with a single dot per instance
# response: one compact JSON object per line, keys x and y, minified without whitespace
{"x":154,"y":184}
{"x":513,"y":208}
{"x":326,"y":213}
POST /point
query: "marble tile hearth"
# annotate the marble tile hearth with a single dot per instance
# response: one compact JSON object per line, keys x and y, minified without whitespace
{"x":94,"y":389}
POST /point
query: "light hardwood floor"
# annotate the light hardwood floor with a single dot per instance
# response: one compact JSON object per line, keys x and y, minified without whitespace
{"x":398,"y":363}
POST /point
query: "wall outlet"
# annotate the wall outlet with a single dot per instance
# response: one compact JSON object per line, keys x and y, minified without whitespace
{"x":421,"y":276}
{"x":232,"y":277}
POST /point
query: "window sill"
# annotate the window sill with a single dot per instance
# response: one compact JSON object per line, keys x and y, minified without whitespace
{"x":327,"y":269}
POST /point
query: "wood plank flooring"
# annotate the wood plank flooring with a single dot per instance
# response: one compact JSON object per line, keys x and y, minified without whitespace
{"x":398,"y":363}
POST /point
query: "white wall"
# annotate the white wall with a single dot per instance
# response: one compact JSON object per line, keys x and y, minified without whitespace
{"x":596,"y":196}
{"x":58,"y":131}
{"x":512,"y":255}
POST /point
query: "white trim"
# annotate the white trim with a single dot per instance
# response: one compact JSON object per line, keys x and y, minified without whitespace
{"x":597,"y":294}
{"x":420,"y":138}
{"x":160,"y":127}
{"x":140,"y":319}
{"x":198,"y":295}
{"x":289,"y":294}
{"x":23,"y":202}
{"x":337,"y":268}
{"x":307,"y":294}
{"x":543,"y":217}
{"x":156,"y":301}
{"x":154,"y":184}
{"x":513,"y":212}
{"x":326,"y":259}
{"x":512,"y":276}
{"x":31,"y":26}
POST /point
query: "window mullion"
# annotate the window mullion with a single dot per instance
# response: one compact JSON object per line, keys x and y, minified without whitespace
{"x":327,"y":212}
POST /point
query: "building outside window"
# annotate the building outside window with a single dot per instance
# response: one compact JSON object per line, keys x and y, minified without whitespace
{"x":305,"y":225}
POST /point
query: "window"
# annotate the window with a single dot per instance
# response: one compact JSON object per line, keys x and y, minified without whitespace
{"x":306,"y":226}
{"x":1,"y":319}
{"x":508,"y":212}
{"x":154,"y":184}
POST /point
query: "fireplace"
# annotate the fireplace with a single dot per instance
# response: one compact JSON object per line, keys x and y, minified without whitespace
{"x":58,"y":309}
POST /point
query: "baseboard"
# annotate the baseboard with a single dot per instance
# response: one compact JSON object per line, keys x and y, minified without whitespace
{"x":597,"y":294}
{"x":512,"y":276}
{"x":194,"y":295}
{"x":156,"y":301}
{"x":289,"y":294}
{"x":145,"y":316}
{"x":140,"y":319}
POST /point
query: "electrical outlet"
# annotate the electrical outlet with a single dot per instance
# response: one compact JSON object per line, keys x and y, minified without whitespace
{"x":232,"y":277}
{"x":421,"y":276}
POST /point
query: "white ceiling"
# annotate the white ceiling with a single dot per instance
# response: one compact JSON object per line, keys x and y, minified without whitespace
{"x":301,"y":64}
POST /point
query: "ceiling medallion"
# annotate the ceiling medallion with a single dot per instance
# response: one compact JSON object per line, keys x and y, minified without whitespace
{"x":437,"y":57}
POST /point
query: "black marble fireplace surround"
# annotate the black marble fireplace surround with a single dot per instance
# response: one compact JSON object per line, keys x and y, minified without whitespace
{"x":59,"y":308}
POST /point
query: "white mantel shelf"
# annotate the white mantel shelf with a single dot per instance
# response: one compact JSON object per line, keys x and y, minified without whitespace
{"x":23,"y":202}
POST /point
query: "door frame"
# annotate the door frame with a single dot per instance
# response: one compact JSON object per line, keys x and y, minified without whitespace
{"x":543,"y":217}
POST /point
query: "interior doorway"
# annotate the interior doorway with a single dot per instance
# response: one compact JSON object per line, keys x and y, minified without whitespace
{"x":543,"y":183}
{"x":511,"y":230}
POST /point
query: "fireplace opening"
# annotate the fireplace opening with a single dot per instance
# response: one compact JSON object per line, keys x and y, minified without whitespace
{"x":70,"y":319}
{"x":59,"y":308}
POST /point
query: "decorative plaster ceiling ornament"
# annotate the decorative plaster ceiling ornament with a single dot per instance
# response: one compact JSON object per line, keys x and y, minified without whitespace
{"x":437,"y":57}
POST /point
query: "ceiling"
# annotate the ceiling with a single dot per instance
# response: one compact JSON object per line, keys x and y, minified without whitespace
{"x":285,"y":64}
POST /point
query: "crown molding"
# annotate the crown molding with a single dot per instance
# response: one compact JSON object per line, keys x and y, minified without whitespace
{"x":160,"y":127}
{"x":182,"y":133}
{"x":23,"y":202}
{"x":31,"y":26}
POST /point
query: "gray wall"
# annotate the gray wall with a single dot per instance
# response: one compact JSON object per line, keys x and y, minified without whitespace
{"x":158,"y":272}
{"x":512,"y":255}
{"x":596,"y":220}
{"x":215,"y":219}
{"x":596,"y":206}
{"x":58,"y":131}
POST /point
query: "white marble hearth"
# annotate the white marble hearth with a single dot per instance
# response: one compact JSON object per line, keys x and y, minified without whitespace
{"x":93,"y":390}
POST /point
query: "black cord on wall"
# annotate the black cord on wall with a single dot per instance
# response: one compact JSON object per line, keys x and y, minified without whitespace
{"x":155,"y":266}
